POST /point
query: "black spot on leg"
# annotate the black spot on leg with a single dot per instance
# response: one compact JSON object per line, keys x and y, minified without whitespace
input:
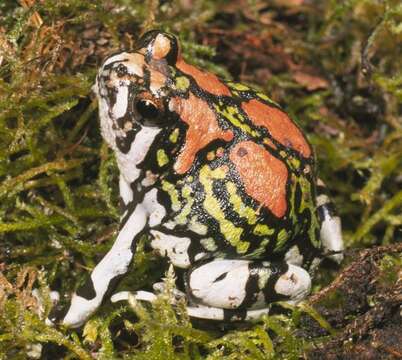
{"x":220,"y":277}
{"x":326,"y":210}
{"x":114,"y":282}
{"x":252,"y":288}
{"x":234,"y":315}
{"x":270,"y":294}
{"x":87,"y":291}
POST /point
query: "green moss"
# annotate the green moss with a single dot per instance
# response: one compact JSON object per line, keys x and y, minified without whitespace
{"x":390,"y":266}
{"x":59,"y":182}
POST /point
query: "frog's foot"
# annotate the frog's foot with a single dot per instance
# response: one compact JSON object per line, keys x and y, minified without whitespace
{"x":198,"y":311}
{"x":137,"y":295}
{"x":147,"y":296}
{"x":160,"y":287}
{"x":242,"y":289}
{"x":213,"y":313}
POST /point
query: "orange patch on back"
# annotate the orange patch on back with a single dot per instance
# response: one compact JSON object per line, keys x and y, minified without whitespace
{"x":205,"y":80}
{"x":202,"y":129}
{"x":263,"y":175}
{"x":278,"y":124}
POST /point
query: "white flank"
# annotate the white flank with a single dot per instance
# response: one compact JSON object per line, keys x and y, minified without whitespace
{"x":173,"y":247}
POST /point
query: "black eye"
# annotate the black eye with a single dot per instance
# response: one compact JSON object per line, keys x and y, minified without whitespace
{"x":147,"y":109}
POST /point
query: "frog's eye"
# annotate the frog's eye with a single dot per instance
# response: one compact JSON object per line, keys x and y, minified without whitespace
{"x":148,"y":111}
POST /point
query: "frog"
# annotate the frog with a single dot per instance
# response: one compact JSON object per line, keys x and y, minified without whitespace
{"x":218,"y":178}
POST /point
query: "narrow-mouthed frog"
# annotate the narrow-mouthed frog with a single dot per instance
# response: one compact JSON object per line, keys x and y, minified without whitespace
{"x":218,"y":177}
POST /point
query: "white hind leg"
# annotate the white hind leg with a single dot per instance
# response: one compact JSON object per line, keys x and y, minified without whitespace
{"x":213,"y":313}
{"x":231,"y":290}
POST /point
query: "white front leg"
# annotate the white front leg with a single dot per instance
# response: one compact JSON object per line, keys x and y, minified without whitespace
{"x":115,"y":263}
{"x":126,"y":193}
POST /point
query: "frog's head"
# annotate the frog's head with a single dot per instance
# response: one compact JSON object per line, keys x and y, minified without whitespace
{"x":133,"y":89}
{"x":152,"y":89}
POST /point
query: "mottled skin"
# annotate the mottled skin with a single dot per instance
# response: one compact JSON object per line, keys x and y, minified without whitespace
{"x":218,"y":176}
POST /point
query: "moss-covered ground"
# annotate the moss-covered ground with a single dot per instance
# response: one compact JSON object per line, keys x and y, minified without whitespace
{"x":334,"y":65}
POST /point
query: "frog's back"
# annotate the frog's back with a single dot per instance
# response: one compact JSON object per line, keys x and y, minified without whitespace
{"x":251,"y":169}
